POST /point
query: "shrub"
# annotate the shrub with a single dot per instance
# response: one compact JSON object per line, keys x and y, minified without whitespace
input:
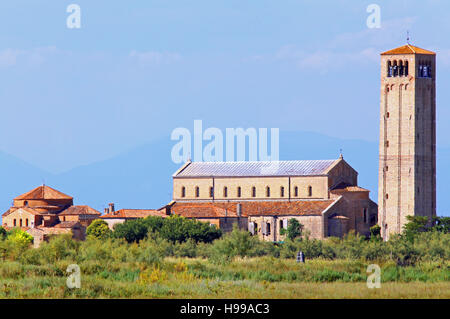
{"x":132,"y":230}
{"x":176,"y":228}
{"x":415,"y":225}
{"x":3,"y":233}
{"x":294,"y":229}
{"x":237,"y":243}
{"x":98,"y":229}
{"x":375,"y":232}
{"x":20,"y":237}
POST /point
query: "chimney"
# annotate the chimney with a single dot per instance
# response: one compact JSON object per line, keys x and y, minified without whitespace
{"x":239,"y":209}
{"x":106,"y":210}
{"x":111,"y":207}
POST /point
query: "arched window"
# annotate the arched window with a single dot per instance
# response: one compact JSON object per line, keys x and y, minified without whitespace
{"x":400,"y":68}
{"x":25,"y":203}
{"x":20,"y":222}
{"x":296,"y":191}
{"x":225,"y":191}
{"x":309,"y":191}
{"x":15,"y":222}
{"x":420,"y":71}
{"x":183,"y":191}
{"x":267,"y":191}
{"x":26,"y":222}
{"x":239,"y":191}
{"x":211,"y":192}
{"x":395,"y":69}
{"x":197,"y":191}
{"x":406,"y":68}
{"x":253,"y":191}
{"x":389,"y":69}
{"x":282,"y":191}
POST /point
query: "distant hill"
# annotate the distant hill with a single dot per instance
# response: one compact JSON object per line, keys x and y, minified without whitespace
{"x":142,"y":177}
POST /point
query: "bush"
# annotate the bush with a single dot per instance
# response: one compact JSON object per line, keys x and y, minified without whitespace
{"x":294,"y":229}
{"x":3,"y":233}
{"x":415,"y":225}
{"x":237,"y":243}
{"x":173,"y":229}
{"x":132,"y":230}
{"x":375,"y":232}
{"x":20,"y":237}
{"x":176,"y":228}
{"x":98,"y":229}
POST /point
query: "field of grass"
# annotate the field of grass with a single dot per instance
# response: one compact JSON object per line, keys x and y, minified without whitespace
{"x":257,"y":277}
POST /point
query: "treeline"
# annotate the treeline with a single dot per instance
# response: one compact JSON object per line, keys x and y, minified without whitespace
{"x":151,"y":239}
{"x":173,"y":229}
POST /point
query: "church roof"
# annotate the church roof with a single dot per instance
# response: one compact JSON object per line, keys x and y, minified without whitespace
{"x":80,"y":210}
{"x":43,"y":192}
{"x":255,"y":168}
{"x":408,"y":49}
{"x":133,"y":213}
{"x":252,"y":208}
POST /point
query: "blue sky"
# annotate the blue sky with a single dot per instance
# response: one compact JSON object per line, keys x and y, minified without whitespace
{"x":138,"y":69}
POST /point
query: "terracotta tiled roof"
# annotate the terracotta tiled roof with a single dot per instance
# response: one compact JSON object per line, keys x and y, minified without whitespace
{"x":27,"y":209}
{"x":349,"y":188}
{"x":134,"y":213}
{"x":355,"y":189}
{"x":43,"y":192}
{"x":408,"y":49}
{"x":6,"y":213}
{"x":67,"y":224}
{"x":251,"y":208}
{"x":80,"y":210}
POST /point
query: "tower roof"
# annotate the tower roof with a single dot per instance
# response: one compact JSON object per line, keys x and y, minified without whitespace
{"x":43,"y":192}
{"x":408,"y":49}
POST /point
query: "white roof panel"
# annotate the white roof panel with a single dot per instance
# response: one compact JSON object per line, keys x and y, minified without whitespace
{"x":240,"y":169}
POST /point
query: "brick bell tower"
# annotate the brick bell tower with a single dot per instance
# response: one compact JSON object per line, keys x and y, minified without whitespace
{"x":407,"y":154}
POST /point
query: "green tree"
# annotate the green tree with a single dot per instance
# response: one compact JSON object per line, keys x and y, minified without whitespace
{"x":3,"y":233}
{"x":441,"y":224}
{"x":133,"y":230}
{"x":20,"y":237}
{"x":176,"y":228}
{"x":415,"y":225}
{"x":294,"y":229}
{"x":98,"y":229}
{"x":375,"y":232}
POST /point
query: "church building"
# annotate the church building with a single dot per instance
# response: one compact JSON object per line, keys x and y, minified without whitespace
{"x":45,"y":211}
{"x":323,"y":195}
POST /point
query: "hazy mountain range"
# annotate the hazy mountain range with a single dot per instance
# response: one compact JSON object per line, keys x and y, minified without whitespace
{"x":142,"y":177}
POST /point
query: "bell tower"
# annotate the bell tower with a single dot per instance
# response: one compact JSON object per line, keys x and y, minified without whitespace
{"x":407,"y":151}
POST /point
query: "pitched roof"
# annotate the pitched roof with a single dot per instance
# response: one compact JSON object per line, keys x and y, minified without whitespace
{"x":348,"y":188}
{"x":134,"y":213}
{"x":27,"y":209}
{"x":80,"y":210}
{"x":252,"y":208}
{"x":258,"y":168}
{"x":43,"y":192}
{"x":408,"y":49}
{"x":67,"y":224}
